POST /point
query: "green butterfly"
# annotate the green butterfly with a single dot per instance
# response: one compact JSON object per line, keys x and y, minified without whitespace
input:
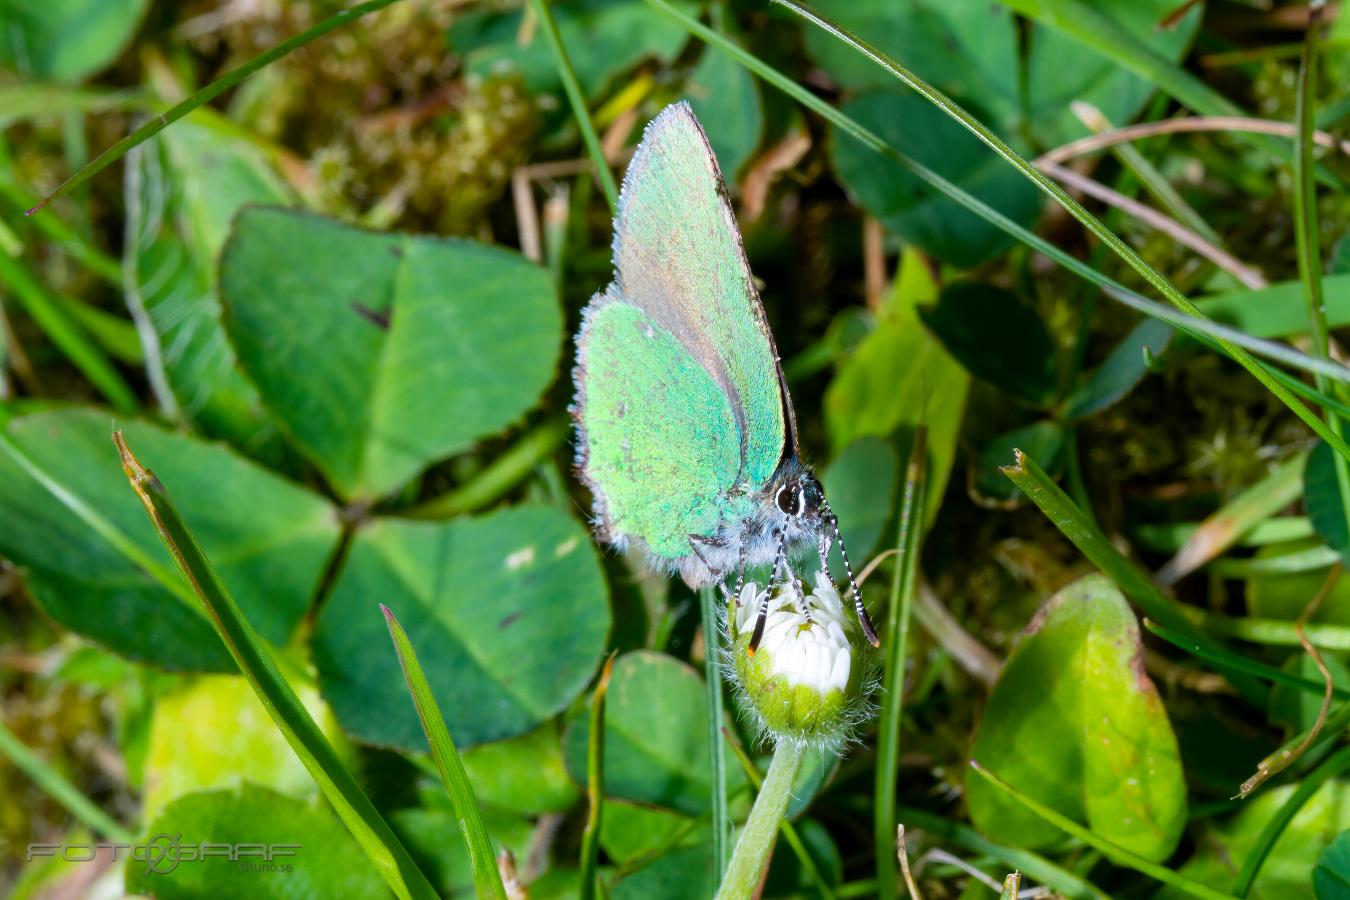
{"x":685,"y":431}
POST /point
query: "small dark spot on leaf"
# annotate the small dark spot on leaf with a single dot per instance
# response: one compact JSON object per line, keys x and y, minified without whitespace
{"x":396,"y":251}
{"x":379,"y":318}
{"x":509,"y":620}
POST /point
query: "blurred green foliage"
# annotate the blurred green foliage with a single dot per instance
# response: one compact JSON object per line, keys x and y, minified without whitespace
{"x":345,"y":288}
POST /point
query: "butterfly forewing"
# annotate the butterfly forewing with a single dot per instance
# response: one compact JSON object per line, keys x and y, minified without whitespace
{"x":678,"y":255}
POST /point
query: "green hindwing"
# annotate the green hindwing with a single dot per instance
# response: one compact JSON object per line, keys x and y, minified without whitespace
{"x":659,"y":446}
{"x":679,"y":257}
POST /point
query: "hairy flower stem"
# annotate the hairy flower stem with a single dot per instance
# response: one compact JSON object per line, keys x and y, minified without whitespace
{"x":761,"y":829}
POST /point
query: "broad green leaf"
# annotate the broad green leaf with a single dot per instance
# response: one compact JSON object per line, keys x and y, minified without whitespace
{"x":683,"y":874}
{"x":1043,"y":440}
{"x":965,"y":48}
{"x":183,"y":188}
{"x":511,"y":606}
{"x":910,"y":208}
{"x":604,"y":37}
{"x":1331,"y":877}
{"x":523,"y":775}
{"x":1074,"y":722}
{"x":861,"y":483}
{"x":272,"y":538}
{"x":1322,"y":497}
{"x":997,"y":338}
{"x":408,"y":349}
{"x":629,"y":831}
{"x":1289,"y":868}
{"x":726,"y":100}
{"x":656,"y":740}
{"x":899,"y":377}
{"x":1124,"y":368}
{"x":1061,"y":70}
{"x":65,"y":40}
{"x":215,"y":733}
{"x":313,"y":855}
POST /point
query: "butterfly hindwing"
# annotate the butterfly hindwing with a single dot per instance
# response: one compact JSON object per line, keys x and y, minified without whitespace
{"x":678,"y":256}
{"x":658,"y":444}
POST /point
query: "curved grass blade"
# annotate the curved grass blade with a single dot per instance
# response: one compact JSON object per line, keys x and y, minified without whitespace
{"x":487,"y":880}
{"x":1334,"y":765}
{"x":1135,"y":584}
{"x":1075,"y":209}
{"x":1111,"y":851}
{"x":896,"y":641}
{"x":578,"y":102}
{"x":69,"y":339}
{"x":206,"y":95}
{"x":1236,"y":517}
{"x":1235,"y":663}
{"x":595,"y":783}
{"x":1208,"y":332}
{"x":59,"y":789}
{"x":255,"y":662}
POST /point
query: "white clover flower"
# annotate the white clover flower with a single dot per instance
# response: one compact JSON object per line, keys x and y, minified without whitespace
{"x":802,"y":682}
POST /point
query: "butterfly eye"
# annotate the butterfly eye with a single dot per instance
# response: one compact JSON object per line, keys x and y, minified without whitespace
{"x":790,"y":500}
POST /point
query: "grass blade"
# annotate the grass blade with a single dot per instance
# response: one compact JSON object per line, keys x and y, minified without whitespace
{"x":1212,"y":334}
{"x":487,"y":880}
{"x":897,"y":639}
{"x":1135,"y":584}
{"x":206,"y":95}
{"x":595,"y":784}
{"x":578,"y":102}
{"x":69,"y":339}
{"x":59,"y":789}
{"x":1075,"y":209}
{"x":1236,"y":517}
{"x":255,"y":662}
{"x":1033,"y":865}
{"x":1235,"y":663}
{"x":1306,"y":237}
{"x":1111,"y":851}
{"x":1333,"y":766}
{"x":717,"y":754}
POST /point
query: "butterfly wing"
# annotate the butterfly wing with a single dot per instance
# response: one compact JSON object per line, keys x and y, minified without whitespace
{"x":680,"y":399}
{"x":657,"y":442}
{"x":679,"y":257}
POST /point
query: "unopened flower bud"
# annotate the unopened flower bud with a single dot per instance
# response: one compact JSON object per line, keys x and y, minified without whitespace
{"x":802,"y":681}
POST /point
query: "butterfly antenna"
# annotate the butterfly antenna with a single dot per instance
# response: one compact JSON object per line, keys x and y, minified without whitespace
{"x":863,"y":619}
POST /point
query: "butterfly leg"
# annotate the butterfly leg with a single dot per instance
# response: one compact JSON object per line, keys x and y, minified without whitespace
{"x":740,"y":564}
{"x":695,"y":542}
{"x":797,"y":591}
{"x":832,"y":521}
{"x":779,"y":560}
